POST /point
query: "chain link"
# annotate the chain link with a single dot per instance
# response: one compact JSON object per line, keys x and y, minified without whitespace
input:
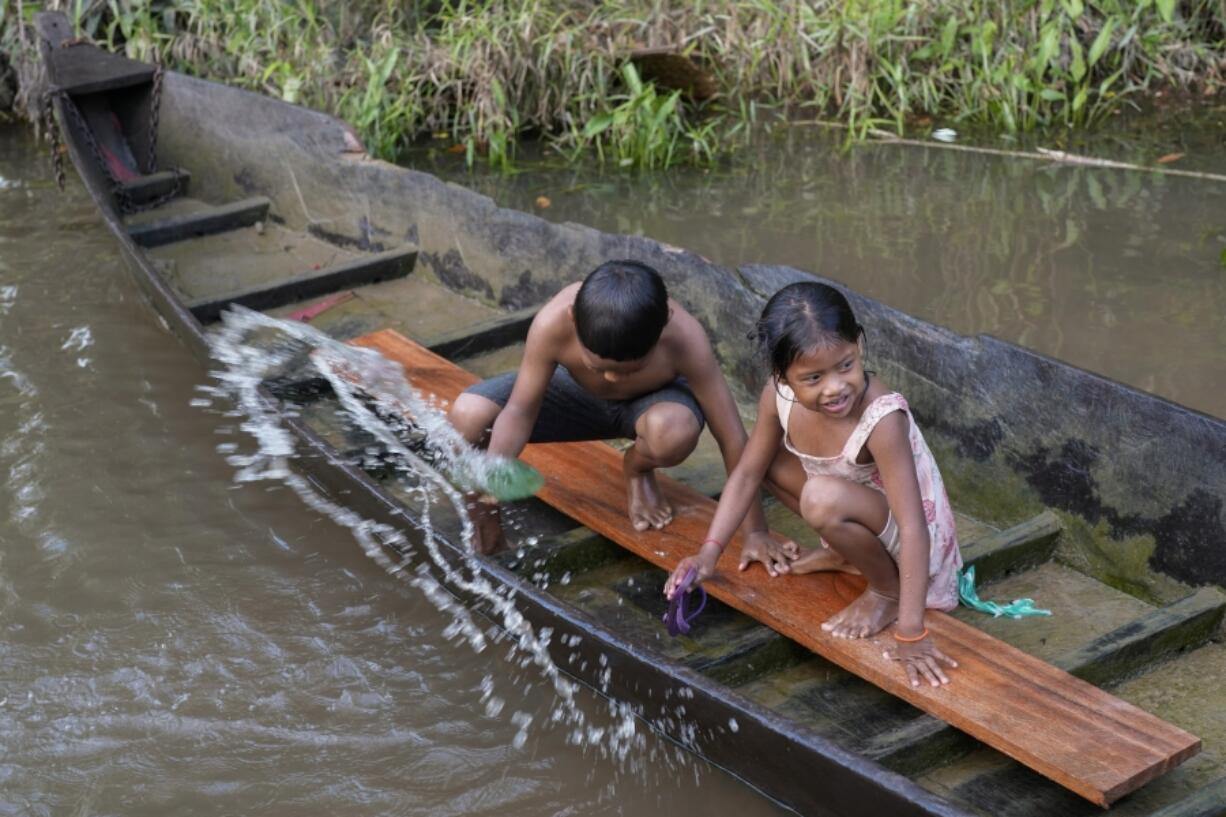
{"x":155,"y":105}
{"x":52,"y":126}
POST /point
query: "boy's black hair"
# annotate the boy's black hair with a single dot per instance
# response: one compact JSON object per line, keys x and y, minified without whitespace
{"x":802,"y":317}
{"x":620,"y":310}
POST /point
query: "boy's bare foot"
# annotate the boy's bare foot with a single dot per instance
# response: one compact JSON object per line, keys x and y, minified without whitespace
{"x":819,"y":559}
{"x":648,"y":507}
{"x":867,"y":615}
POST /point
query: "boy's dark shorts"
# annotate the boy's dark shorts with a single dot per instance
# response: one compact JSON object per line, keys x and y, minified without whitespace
{"x":570,"y":413}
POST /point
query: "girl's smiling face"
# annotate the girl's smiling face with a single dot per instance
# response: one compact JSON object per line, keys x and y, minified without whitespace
{"x":829,"y":379}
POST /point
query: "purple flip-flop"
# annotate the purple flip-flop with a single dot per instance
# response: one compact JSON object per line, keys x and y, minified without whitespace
{"x":679,"y":616}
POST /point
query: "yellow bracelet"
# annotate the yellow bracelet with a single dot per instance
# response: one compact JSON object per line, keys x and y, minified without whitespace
{"x":912,"y":640}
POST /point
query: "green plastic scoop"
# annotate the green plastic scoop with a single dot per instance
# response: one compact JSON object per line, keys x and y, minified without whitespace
{"x":503,"y":478}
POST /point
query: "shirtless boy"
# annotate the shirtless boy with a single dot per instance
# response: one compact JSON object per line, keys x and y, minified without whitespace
{"x":614,"y":357}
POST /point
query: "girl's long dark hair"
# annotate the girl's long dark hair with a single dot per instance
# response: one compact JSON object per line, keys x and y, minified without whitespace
{"x":802,"y":317}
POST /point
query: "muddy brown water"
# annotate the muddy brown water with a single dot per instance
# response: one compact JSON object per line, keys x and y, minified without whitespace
{"x":1119,"y":272}
{"x":173,"y":643}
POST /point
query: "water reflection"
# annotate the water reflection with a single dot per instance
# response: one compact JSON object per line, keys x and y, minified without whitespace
{"x":1115,"y":271}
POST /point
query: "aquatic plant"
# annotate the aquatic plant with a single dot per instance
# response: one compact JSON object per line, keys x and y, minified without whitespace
{"x":644,"y":129}
{"x":482,"y":74}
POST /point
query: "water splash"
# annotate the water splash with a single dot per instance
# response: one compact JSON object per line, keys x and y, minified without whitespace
{"x":22,"y":449}
{"x":78,"y":340}
{"x":253,"y":348}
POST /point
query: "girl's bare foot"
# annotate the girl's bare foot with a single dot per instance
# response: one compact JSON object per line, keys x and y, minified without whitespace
{"x":648,"y":507}
{"x":822,"y":558}
{"x":867,"y":615}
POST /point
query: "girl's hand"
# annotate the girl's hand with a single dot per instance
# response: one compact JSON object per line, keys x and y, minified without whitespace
{"x":703,"y":564}
{"x":921,"y":659}
{"x":776,"y":557}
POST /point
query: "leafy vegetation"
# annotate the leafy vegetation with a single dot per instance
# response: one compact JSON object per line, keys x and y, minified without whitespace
{"x":487,"y":73}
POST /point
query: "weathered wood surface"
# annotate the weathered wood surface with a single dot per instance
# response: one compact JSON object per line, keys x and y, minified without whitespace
{"x":475,"y":340}
{"x":145,"y":189}
{"x":364,"y":269}
{"x":86,"y":69}
{"x":202,"y":222}
{"x":1062,"y":727}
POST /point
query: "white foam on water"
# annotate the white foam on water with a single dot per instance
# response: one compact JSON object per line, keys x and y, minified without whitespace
{"x":79,"y":339}
{"x":22,"y":448}
{"x":252,"y":347}
{"x":23,"y":444}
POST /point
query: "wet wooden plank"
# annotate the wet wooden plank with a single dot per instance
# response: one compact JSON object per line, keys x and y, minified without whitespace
{"x":576,"y":551}
{"x":365,"y":269}
{"x":1064,"y":728}
{"x":202,"y":222}
{"x":1022,"y":546}
{"x":483,"y":337}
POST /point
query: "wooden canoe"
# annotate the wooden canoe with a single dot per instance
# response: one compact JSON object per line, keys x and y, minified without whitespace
{"x":1123,"y":536}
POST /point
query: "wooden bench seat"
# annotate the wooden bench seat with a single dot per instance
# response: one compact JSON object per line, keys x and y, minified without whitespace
{"x":1062,"y":727}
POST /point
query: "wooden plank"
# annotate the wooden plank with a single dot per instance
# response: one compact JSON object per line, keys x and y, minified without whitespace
{"x":87,"y":69}
{"x":1062,"y":727}
{"x":484,"y":337}
{"x":1022,"y":546}
{"x":1208,"y":801}
{"x":203,"y":222}
{"x":923,"y":742}
{"x":155,"y":185}
{"x":576,"y":551}
{"x":365,"y":269}
{"x":1152,"y":638}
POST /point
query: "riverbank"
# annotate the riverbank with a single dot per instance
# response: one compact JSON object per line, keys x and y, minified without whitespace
{"x":650,"y":84}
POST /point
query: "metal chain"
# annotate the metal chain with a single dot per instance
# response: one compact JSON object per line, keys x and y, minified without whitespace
{"x":155,"y":104}
{"x":52,"y":126}
{"x":151,"y":165}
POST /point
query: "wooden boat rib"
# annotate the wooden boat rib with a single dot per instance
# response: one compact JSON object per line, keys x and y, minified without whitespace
{"x":1129,"y":550}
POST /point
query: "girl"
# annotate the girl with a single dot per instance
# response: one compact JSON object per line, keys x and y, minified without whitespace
{"x":841,"y":450}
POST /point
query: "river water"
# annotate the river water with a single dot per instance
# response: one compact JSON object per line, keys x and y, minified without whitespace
{"x":171,"y":642}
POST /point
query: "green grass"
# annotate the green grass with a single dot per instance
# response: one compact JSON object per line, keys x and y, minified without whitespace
{"x":487,"y":74}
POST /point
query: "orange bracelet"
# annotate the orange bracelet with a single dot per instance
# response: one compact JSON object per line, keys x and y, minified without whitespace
{"x":912,"y":640}
{"x":705,"y":542}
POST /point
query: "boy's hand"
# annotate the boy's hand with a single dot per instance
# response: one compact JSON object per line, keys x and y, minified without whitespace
{"x":775,"y":556}
{"x":921,"y":659}
{"x":703,"y":564}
